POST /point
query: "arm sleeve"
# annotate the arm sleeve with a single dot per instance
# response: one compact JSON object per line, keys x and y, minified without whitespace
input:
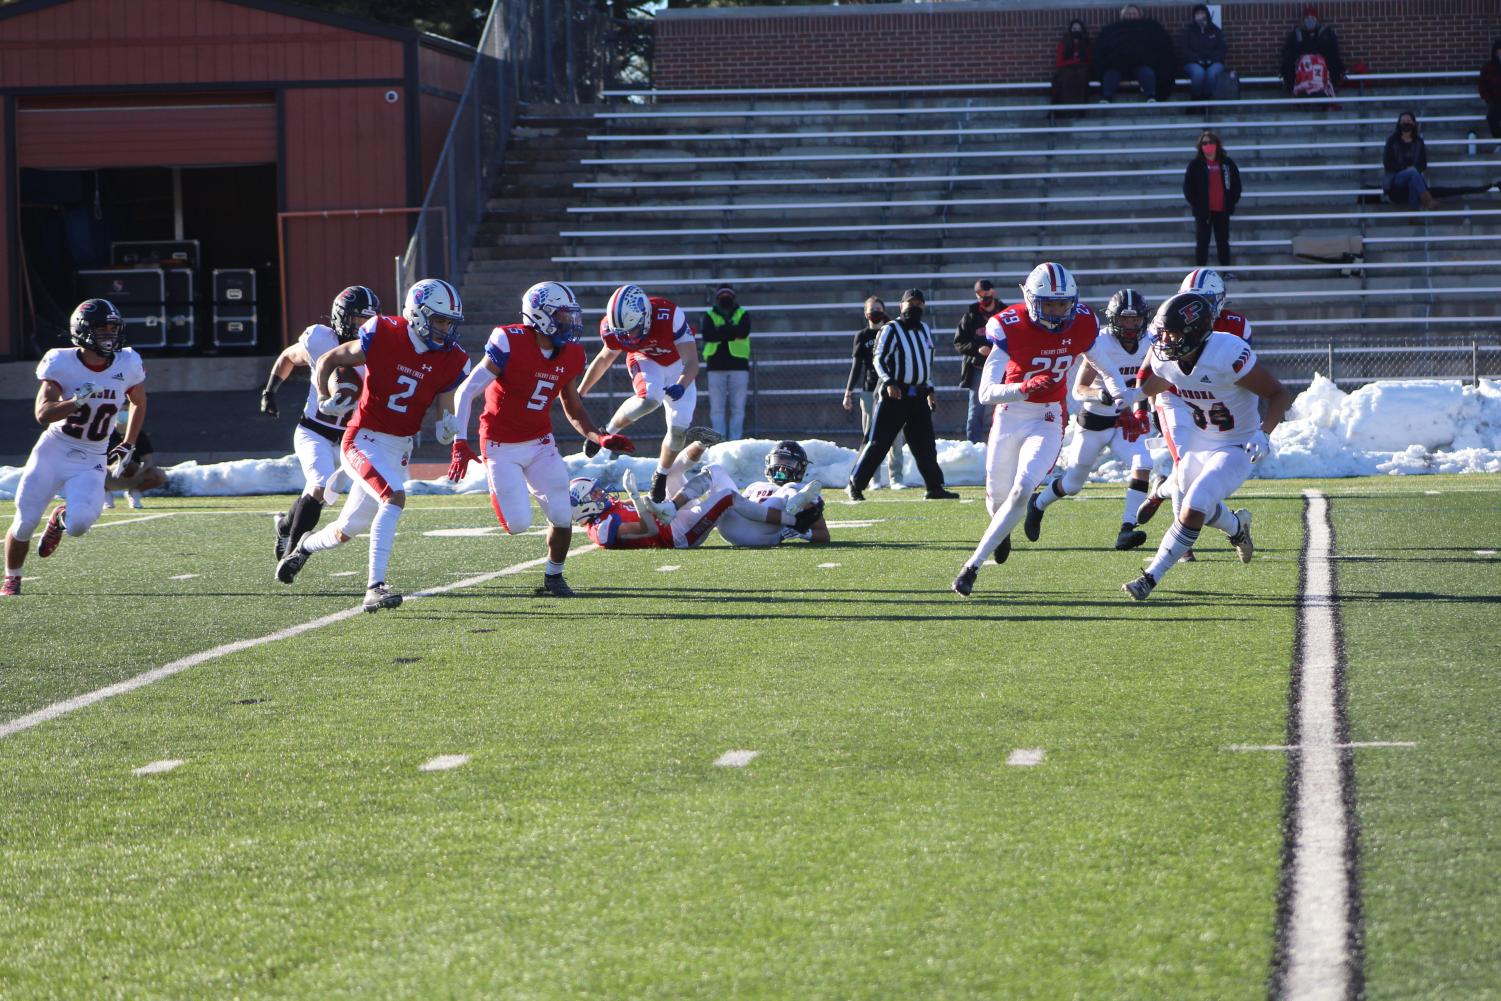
{"x":469,"y":390}
{"x":993,"y":387}
{"x":857,"y":366}
{"x":498,"y":350}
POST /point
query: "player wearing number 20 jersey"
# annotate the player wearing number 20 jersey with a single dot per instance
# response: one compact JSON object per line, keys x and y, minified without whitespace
{"x":82,"y":389}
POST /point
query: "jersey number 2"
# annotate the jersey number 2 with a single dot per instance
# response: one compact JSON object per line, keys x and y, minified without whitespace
{"x":398,"y":402}
{"x":540,"y":395}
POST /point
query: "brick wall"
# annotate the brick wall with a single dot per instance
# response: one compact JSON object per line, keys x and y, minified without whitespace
{"x":962,"y":42}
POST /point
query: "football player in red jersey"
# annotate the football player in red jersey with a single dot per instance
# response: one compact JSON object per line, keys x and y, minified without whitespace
{"x":1032,"y":348}
{"x":410,"y":360}
{"x":527,"y":366}
{"x":662,"y":358}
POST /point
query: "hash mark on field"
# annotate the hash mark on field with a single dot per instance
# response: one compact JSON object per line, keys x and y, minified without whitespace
{"x":1431,"y":493}
{"x":344,"y":573}
{"x":668,"y":568}
{"x":443,"y":763}
{"x":827,"y":566}
{"x":855,"y":523}
{"x":736,"y":759}
{"x":461,"y":533}
{"x":1339,"y":747}
{"x":1485,"y":552}
{"x":1025,"y":757}
{"x":158,"y":767}
{"x":183,"y":576}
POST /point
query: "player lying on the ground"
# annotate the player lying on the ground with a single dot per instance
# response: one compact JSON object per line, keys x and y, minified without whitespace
{"x":139,"y":474}
{"x":527,"y":366}
{"x":83,"y":387}
{"x":1103,"y":423}
{"x":662,"y":358}
{"x":686,"y":519}
{"x":1218,"y":378}
{"x":316,"y":440}
{"x":410,"y":360}
{"x":786,"y":465}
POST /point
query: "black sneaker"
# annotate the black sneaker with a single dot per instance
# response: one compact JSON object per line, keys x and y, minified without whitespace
{"x":965,"y":582}
{"x":591,"y":449}
{"x":1130,"y":537}
{"x":1003,"y":551}
{"x":854,"y":492}
{"x":1032,"y":527}
{"x":290,"y":564}
{"x":554,"y":585}
{"x":941,"y":494}
{"x":658,"y":487}
{"x":379,"y":595}
{"x":1142,"y":586}
{"x":705,"y":436}
{"x":282,"y":528}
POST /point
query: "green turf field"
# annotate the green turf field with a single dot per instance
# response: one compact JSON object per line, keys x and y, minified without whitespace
{"x":878,"y":846}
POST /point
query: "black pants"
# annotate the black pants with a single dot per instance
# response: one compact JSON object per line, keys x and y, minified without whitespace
{"x":1221,"y":223}
{"x":1493,"y":119}
{"x":909,"y":416}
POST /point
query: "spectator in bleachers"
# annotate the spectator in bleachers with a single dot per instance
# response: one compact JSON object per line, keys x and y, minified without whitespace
{"x":1071,"y":66}
{"x":1211,"y":186}
{"x":862,"y":381}
{"x":972,"y":344}
{"x":1490,"y":89}
{"x":727,"y":329}
{"x":1202,"y":49}
{"x":1404,"y":160}
{"x":1137,"y":46}
{"x":1311,"y":63}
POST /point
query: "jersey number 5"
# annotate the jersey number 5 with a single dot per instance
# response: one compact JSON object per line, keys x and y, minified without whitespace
{"x":541,"y":395}
{"x":398,"y":401}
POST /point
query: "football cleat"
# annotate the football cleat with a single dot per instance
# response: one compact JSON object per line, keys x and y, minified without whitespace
{"x":1130,"y":538}
{"x":109,"y":500}
{"x":938,"y":493}
{"x":11,"y":588}
{"x":853,"y":492}
{"x":379,"y":595}
{"x":1032,"y":527}
{"x":965,"y":582}
{"x":805,"y":496}
{"x":553,"y":584}
{"x":57,"y":524}
{"x":702,"y":435}
{"x":1147,"y":508}
{"x":290,"y":564}
{"x":1188,"y":557}
{"x":134,"y":499}
{"x":1242,"y":540}
{"x":282,"y":528}
{"x":1003,"y":551}
{"x":1142,"y":586}
{"x":658,"y":487}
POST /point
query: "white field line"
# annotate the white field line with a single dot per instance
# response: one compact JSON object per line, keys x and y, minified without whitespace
{"x":1317,"y":916}
{"x":1025,"y":757}
{"x":669,"y":568}
{"x":183,"y":576}
{"x":157,"y":767}
{"x":827,"y":566}
{"x":156,"y":674}
{"x":443,"y":763}
{"x":132,"y":521}
{"x":1342,"y":747}
{"x":736,"y":759}
{"x":1485,"y":552}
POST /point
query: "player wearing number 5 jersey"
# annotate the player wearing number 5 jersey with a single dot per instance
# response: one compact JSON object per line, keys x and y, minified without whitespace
{"x":527,"y":366}
{"x":410,"y":360}
{"x":82,"y":390}
{"x":1218,"y":377}
{"x":1032,"y":349}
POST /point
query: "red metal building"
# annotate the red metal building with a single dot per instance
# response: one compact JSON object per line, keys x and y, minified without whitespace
{"x":272,"y":112}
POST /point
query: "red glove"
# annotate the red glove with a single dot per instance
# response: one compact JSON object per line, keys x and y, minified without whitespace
{"x":1039,"y":383}
{"x":463,"y":455}
{"x":1133,"y":424}
{"x":616,"y":443}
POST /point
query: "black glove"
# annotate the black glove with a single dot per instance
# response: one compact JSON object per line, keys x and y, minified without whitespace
{"x":808,"y":516}
{"x":1106,"y":398}
{"x":119,"y":457}
{"x":268,"y":404}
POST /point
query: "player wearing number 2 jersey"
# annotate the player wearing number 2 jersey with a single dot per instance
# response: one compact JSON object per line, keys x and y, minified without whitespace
{"x":82,"y":390}
{"x":410,"y":361}
{"x":527,"y":366}
{"x":1218,"y":377}
{"x":1032,"y":349}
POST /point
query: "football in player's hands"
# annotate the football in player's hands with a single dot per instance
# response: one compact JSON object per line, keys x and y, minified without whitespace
{"x":1259,"y":447}
{"x":84,"y":391}
{"x":463,"y":455}
{"x":1105,"y":397}
{"x":1039,"y":383}
{"x":617,"y":443}
{"x":675,"y":391}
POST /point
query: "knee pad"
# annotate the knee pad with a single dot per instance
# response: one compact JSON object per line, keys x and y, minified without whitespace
{"x":19,"y":530}
{"x":631,"y":411}
{"x":676,"y":438}
{"x":79,"y":523}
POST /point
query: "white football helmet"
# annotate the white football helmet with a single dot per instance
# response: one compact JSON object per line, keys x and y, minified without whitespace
{"x":1208,"y":283}
{"x":587,"y":498}
{"x":552,"y":308}
{"x":1051,"y":295}
{"x":628,"y":315}
{"x":428,"y":298}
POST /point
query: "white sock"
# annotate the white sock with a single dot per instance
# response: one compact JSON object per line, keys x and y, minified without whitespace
{"x":1050,"y":493}
{"x":12,"y":571}
{"x":1224,"y":519}
{"x":662,"y":470}
{"x":382,"y":535}
{"x":1175,"y":542}
{"x":552,"y":569}
{"x":325,"y":538}
{"x":1001,"y":523}
{"x":1134,"y":499}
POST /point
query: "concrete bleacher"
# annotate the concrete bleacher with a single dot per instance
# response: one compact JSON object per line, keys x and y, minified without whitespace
{"x":808,"y":202}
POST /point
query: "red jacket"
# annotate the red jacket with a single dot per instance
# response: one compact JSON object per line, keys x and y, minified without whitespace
{"x":1082,"y":54}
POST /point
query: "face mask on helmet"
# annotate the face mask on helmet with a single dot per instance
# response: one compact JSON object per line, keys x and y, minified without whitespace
{"x":429,"y":300}
{"x":551,"y":309}
{"x":97,"y":325}
{"x":351,"y":309}
{"x":628,"y":315}
{"x":787,"y":463}
{"x":587,"y":498}
{"x":1181,"y":326}
{"x":1051,"y":296}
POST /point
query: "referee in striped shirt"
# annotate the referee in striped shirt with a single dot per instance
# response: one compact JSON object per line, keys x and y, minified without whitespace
{"x":904,"y":400}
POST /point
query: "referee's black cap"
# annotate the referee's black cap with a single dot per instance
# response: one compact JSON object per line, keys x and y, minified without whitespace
{"x":914,"y":293}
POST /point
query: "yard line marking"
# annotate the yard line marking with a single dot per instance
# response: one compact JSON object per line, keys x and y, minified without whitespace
{"x":158,"y":767}
{"x":1485,"y":552}
{"x":827,"y":566}
{"x":856,"y":523}
{"x":1318,"y":952}
{"x":1025,"y":757}
{"x":1341,"y":747}
{"x":132,"y":521}
{"x":736,"y":759}
{"x":156,"y":674}
{"x":183,"y":576}
{"x":461,"y":533}
{"x":669,"y":568}
{"x":443,"y":763}
{"x":344,"y":573}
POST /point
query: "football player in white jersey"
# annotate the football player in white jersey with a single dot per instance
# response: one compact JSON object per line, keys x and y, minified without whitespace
{"x":82,"y":389}
{"x":316,"y":440}
{"x":786,"y":465}
{"x":1221,"y":383}
{"x":1105,"y":421}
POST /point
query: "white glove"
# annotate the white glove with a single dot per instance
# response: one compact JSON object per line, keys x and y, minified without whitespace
{"x":336,"y":406}
{"x":447,"y":428}
{"x":83,"y":392}
{"x":1259,"y":447}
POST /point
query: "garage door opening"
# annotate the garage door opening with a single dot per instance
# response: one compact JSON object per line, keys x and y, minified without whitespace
{"x":189,"y":254}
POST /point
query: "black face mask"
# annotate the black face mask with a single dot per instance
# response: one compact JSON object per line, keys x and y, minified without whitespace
{"x":1076,"y":32}
{"x":912,"y":314}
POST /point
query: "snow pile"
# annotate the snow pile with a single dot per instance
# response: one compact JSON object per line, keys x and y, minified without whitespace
{"x":1417,"y":426}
